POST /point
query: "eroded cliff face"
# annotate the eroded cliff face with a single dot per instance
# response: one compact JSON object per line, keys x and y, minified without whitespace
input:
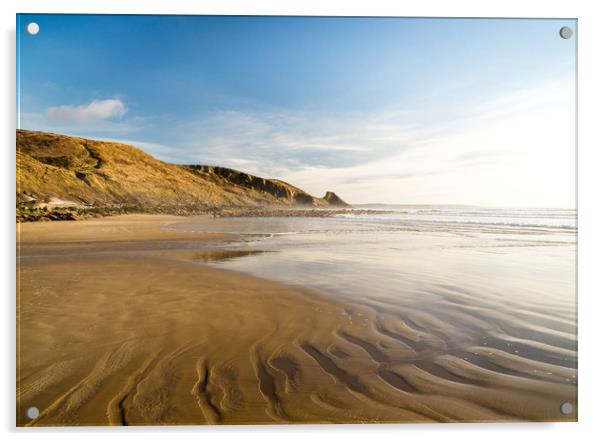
{"x":272,"y":188}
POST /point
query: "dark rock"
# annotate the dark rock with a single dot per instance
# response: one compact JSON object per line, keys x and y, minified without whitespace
{"x":335,"y":201}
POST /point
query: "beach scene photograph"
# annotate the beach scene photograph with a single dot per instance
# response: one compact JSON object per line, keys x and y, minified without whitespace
{"x":234,"y":220}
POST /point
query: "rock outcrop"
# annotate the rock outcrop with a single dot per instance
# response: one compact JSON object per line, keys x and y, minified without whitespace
{"x":335,"y":201}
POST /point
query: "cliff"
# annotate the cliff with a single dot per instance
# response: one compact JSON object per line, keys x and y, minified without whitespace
{"x":60,"y":171}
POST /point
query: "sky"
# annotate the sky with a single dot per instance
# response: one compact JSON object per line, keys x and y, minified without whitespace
{"x":378,"y":110}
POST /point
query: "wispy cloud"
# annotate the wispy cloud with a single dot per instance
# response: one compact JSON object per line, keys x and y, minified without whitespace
{"x":95,"y":111}
{"x":277,"y":142}
{"x":517,"y":148}
{"x":514,"y":147}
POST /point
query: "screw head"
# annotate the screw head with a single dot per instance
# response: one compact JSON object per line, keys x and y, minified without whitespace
{"x":32,"y":28}
{"x":566,"y":32}
{"x":566,"y":408}
{"x":33,"y":413}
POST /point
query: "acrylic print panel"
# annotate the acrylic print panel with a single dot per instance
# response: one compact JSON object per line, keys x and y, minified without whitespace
{"x":261,"y":220}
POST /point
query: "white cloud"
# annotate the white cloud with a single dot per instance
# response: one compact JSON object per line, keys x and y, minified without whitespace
{"x":275,"y":143}
{"x":95,"y":111}
{"x":515,"y":147}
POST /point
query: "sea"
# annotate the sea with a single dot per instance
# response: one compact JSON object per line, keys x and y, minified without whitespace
{"x":468,"y":275}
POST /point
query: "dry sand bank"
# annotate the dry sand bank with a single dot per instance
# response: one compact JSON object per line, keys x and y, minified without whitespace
{"x":111,"y":336}
{"x":124,"y":228}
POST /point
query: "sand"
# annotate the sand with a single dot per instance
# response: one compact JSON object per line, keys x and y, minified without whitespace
{"x":121,"y":322}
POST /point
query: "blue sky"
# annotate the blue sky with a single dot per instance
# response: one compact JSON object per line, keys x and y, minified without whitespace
{"x":376,"y":109}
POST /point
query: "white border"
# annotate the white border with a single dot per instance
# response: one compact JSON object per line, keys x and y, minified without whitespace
{"x":431,"y":8}
{"x":590,"y":218}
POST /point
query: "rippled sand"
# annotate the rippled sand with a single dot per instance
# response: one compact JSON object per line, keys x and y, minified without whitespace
{"x":122,"y":322}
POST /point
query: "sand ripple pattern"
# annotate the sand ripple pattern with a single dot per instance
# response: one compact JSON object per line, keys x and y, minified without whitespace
{"x":130,"y":340}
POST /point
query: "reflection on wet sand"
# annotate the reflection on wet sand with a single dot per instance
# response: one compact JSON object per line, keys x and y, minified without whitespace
{"x":206,"y":255}
{"x":360,"y":332}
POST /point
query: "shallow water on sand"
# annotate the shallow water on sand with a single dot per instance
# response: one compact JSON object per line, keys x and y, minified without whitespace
{"x":470,"y":277}
{"x":421,"y":315}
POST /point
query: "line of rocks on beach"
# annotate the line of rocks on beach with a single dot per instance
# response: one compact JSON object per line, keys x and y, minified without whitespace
{"x":29,"y":213}
{"x":26,"y":213}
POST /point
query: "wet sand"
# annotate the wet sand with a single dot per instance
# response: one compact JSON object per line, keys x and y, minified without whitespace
{"x":121,"y":322}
